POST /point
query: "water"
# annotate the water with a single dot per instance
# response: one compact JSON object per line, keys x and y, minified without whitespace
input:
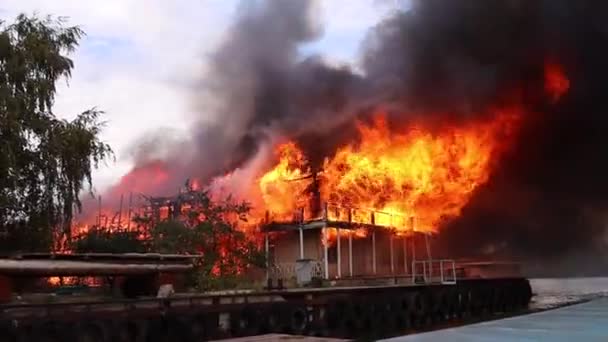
{"x":553,"y":292}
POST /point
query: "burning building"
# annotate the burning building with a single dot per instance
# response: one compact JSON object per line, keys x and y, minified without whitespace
{"x":384,"y":187}
{"x":482,"y":123}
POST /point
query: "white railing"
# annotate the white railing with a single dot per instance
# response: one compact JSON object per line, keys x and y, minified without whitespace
{"x":284,"y":270}
{"x":335,"y":212}
{"x":434,"y":271}
{"x":287,"y":270}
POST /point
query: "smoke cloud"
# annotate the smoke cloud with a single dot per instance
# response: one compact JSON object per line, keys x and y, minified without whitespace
{"x":449,"y":60}
{"x":547,"y":199}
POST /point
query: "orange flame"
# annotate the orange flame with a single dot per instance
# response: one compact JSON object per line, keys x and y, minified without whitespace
{"x":332,"y":233}
{"x":414,"y":176}
{"x":281,"y":186}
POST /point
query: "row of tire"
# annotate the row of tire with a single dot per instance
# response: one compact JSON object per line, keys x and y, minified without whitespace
{"x":175,"y":327}
{"x":374,"y":315}
{"x":385,"y":315}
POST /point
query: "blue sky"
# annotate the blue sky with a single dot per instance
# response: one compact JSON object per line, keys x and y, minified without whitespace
{"x":140,"y":57}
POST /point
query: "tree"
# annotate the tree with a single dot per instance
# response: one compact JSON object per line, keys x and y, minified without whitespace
{"x":99,"y":240}
{"x":173,"y":237}
{"x":44,"y":161}
{"x":214,"y":230}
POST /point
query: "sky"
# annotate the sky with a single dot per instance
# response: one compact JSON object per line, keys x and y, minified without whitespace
{"x":140,"y":58}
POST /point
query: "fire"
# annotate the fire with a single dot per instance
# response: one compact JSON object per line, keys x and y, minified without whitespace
{"x":280,"y":186}
{"x":556,"y":81}
{"x":416,"y":174}
{"x":413,"y":179}
{"x":143,"y":178}
{"x":359,"y":233}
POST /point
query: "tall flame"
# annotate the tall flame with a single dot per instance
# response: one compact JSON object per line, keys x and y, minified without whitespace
{"x":416,"y":174}
{"x":416,"y":178}
{"x":282,"y":188}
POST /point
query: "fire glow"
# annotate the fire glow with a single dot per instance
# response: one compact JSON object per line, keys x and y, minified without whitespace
{"x":415,"y":174}
{"x":556,"y":81}
{"x":414,"y":178}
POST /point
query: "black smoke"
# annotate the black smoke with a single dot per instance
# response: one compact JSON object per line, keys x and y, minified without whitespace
{"x":547,"y":198}
{"x":446,"y":59}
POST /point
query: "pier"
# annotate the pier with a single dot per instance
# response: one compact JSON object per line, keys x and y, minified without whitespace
{"x":580,"y":322}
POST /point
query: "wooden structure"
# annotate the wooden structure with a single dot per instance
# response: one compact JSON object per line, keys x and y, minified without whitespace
{"x":391,"y":246}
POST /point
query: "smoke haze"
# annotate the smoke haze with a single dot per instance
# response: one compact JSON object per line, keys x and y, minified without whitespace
{"x":439,"y":61}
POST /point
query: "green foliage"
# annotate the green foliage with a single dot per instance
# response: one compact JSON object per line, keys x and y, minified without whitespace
{"x":173,"y":237}
{"x":44,"y":161}
{"x":211,"y":230}
{"x":98,"y":240}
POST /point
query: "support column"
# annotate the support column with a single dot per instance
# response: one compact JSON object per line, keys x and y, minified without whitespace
{"x":373,"y":251}
{"x":301,"y":242}
{"x":339,"y":252}
{"x":405,"y":254}
{"x":267,"y":254}
{"x":413,"y":255}
{"x":428,"y":252}
{"x":350,"y":254}
{"x":413,"y":229}
{"x":325,"y":261}
{"x":392,"y":254}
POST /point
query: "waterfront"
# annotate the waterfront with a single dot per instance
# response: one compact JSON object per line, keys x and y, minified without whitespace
{"x":553,"y":292}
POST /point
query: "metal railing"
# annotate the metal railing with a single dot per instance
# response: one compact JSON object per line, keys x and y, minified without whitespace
{"x":335,"y":212}
{"x":434,"y":271}
{"x":366,"y":216}
{"x":287,"y":270}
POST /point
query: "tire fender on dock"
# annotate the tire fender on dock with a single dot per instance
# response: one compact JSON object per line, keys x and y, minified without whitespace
{"x":271,"y":318}
{"x":245,"y":322}
{"x":198,"y":327}
{"x":96,"y":331}
{"x":127,"y":331}
{"x":441,"y":304}
{"x":8,"y":333}
{"x":297,"y":320}
{"x":421,"y":312}
{"x":51,"y":331}
{"x":465,"y":301}
{"x":402,"y":312}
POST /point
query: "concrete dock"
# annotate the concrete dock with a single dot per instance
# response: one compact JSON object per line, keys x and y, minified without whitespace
{"x":281,"y":337}
{"x":580,"y":322}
